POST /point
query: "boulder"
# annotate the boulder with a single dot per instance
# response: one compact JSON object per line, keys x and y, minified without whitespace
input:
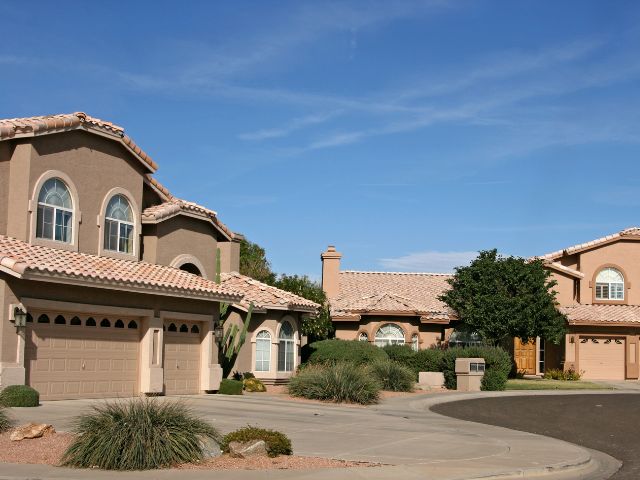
{"x":31,"y":430}
{"x":252,"y":448}
{"x":210,"y":448}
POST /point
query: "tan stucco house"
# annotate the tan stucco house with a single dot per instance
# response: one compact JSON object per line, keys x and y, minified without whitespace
{"x":116,"y":275}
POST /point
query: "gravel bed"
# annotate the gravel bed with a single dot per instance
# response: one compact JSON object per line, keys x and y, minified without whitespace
{"x":47,"y":450}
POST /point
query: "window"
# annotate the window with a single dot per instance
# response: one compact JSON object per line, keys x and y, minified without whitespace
{"x":119,"y":324}
{"x":43,"y":319}
{"x":60,"y":320}
{"x":90,"y":322}
{"x":285,"y":348}
{"x":541,"y":355}
{"x":184,"y":328}
{"x":75,"y":321}
{"x":195,"y":329}
{"x":172,"y":327}
{"x":609,"y":285}
{"x":132,"y":324}
{"x":118,"y":225}
{"x":389,"y":334}
{"x":55,"y":212}
{"x":415,"y":342}
{"x":465,"y":339}
{"x":105,"y":323}
{"x":263,"y":351}
{"x":363,"y":337}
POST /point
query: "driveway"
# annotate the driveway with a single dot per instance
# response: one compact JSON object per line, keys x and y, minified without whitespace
{"x":604,"y":422}
{"x":401,"y":432}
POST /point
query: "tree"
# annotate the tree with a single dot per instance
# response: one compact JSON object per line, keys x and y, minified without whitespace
{"x":318,"y":326}
{"x":254,"y":263}
{"x":502,"y":297}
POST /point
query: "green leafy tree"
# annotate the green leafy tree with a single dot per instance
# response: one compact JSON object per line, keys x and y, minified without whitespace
{"x":254,"y":263}
{"x":502,"y":297}
{"x":318,"y":326}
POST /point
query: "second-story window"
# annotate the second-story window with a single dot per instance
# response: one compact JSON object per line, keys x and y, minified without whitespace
{"x":118,"y":225}
{"x":609,"y":285}
{"x":55,"y":212}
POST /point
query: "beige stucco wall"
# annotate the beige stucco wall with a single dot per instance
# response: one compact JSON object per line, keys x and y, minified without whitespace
{"x":5,"y":155}
{"x":564,"y":288}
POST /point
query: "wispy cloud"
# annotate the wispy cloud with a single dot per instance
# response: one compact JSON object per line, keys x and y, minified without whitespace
{"x":429,"y":261}
{"x":290,"y":127}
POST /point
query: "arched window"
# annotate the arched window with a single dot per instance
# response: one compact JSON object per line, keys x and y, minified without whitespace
{"x":286,"y":347}
{"x":191,"y":268}
{"x":415,"y":342}
{"x":184,"y":328}
{"x":90,"y":322}
{"x":363,"y":337}
{"x":75,"y":321}
{"x":609,"y":285}
{"x":43,"y":318}
{"x":263,"y":351}
{"x":55,"y":211}
{"x":105,"y":323}
{"x":29,"y":318}
{"x":118,"y":225}
{"x":119,"y":324}
{"x":132,"y":324}
{"x":389,"y":334}
{"x":60,"y":320}
{"x":195,"y":329}
{"x":172,"y":328}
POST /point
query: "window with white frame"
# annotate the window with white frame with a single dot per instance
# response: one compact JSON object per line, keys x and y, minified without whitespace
{"x":263,"y":351}
{"x":55,"y":212}
{"x":118,"y":225}
{"x":389,"y":334}
{"x":286,"y":348}
{"x":363,"y":337}
{"x":415,"y":342}
{"x":609,"y":285}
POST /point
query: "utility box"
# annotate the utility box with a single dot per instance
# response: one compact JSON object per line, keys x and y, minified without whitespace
{"x":469,"y":372}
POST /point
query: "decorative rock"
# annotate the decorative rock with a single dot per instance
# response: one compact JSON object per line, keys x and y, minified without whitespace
{"x":253,"y":448}
{"x":31,"y":430}
{"x":210,"y":448}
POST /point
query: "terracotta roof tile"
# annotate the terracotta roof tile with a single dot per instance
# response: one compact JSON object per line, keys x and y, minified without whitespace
{"x":264,"y":296}
{"x":43,"y":263}
{"x":31,"y":126}
{"x":632,"y":232}
{"x":392,"y":292}
{"x":602,"y":314}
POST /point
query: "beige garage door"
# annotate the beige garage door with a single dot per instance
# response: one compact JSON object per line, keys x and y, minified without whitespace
{"x":602,"y":358}
{"x":70,"y":357}
{"x":181,"y":358}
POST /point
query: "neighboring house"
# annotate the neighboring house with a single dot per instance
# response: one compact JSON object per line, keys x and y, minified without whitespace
{"x":386,"y":307}
{"x":116,"y":275}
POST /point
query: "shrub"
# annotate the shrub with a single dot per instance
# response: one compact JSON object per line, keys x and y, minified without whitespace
{"x":428,"y":360}
{"x":341,"y":382}
{"x":230,"y":387}
{"x":138,"y":434}
{"x":5,"y":420}
{"x":493,"y":380}
{"x":248,"y":375}
{"x":277,"y":443}
{"x":393,"y":376}
{"x":403,"y":354}
{"x":19,"y":396}
{"x":354,"y":351}
{"x":254,"y":385}
{"x":558,"y":374}
{"x":495,"y":359}
{"x":571,"y":375}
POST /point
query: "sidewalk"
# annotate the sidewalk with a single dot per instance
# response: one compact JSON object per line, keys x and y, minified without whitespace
{"x":402,"y":432}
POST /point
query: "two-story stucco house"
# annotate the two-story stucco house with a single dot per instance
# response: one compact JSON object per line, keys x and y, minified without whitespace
{"x":116,"y":275}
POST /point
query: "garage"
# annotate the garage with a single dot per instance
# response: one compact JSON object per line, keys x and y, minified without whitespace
{"x":602,"y":357}
{"x":181,"y":358}
{"x":67,"y":357}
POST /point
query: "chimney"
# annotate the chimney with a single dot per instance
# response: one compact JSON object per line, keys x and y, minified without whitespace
{"x":330,"y":271}
{"x":230,"y":254}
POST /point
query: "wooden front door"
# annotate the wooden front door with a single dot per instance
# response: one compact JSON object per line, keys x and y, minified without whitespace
{"x":525,"y":356}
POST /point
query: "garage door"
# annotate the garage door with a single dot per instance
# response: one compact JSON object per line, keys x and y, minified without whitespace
{"x":181,"y":358}
{"x":602,"y":358}
{"x":69,"y":357}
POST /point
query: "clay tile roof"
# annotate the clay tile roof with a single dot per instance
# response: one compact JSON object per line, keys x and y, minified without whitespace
{"x":393,"y":293}
{"x":631,"y":233}
{"x":34,"y":262}
{"x":175,"y":206}
{"x":265,"y":296}
{"x":602,"y":314}
{"x":563,"y":268}
{"x":46,"y":124}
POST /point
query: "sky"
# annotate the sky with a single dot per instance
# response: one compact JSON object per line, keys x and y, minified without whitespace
{"x":409,"y":134}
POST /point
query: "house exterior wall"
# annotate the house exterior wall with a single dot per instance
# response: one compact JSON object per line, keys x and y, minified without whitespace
{"x":5,"y":157}
{"x":429,"y":334}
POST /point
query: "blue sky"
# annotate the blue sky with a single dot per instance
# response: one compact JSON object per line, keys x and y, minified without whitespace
{"x":409,"y":134}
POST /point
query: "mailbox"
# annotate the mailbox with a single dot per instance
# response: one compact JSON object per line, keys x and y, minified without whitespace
{"x":469,"y":372}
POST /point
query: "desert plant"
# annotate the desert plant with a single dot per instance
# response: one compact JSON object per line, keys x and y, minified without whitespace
{"x":138,"y":434}
{"x":254,"y":385}
{"x":559,"y":374}
{"x":495,"y":359}
{"x":403,"y":354}
{"x":341,"y":382}
{"x":230,"y":387}
{"x":493,"y":380}
{"x":337,"y":351}
{"x":277,"y":443}
{"x":571,"y":375}
{"x":428,"y":360}
{"x":248,"y":375}
{"x":393,"y":376}
{"x":5,"y":421}
{"x":19,"y":396}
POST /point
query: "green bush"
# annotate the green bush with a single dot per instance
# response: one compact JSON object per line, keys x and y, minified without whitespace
{"x":428,"y":360}
{"x":230,"y":387}
{"x":341,"y":382}
{"x":248,"y":375}
{"x":277,"y":443}
{"x":493,"y":380}
{"x":5,"y":421}
{"x":337,"y":351}
{"x":403,"y":354}
{"x":496,"y":359}
{"x":393,"y":376}
{"x":19,"y":396}
{"x":138,"y":434}
{"x":254,"y":385}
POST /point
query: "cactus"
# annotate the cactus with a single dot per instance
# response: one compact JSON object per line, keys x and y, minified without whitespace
{"x":232,"y":348}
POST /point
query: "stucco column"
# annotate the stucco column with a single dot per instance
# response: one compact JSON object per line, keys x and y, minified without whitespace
{"x":12,"y":372}
{"x":570,"y":347}
{"x":151,"y":351}
{"x":210,"y":369}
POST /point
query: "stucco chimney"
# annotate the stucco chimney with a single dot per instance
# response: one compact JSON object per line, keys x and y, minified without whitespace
{"x":230,"y":254}
{"x":330,"y":271}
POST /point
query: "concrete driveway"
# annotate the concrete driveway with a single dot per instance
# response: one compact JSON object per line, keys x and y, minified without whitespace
{"x":401,"y":432}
